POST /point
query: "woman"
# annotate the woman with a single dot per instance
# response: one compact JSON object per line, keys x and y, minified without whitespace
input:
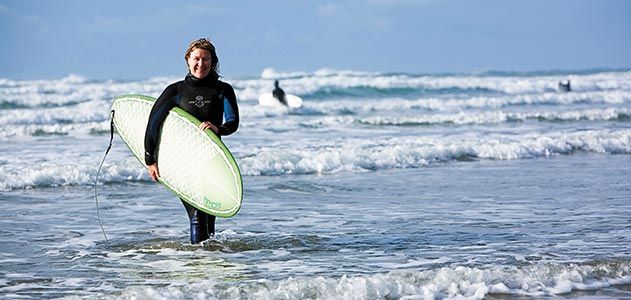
{"x":208,"y":99}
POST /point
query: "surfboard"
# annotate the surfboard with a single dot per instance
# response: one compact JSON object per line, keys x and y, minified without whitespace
{"x":268,"y":99}
{"x":194,"y":164}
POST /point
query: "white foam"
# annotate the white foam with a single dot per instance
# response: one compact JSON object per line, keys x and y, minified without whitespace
{"x":80,"y":113}
{"x":76,"y":89}
{"x":271,"y":73}
{"x":52,"y":173}
{"x":86,"y":118}
{"x":496,"y":117}
{"x":315,"y":156}
{"x":54,"y":129}
{"x":351,"y":134}
{"x":411,"y":152}
{"x":401,"y":106}
{"x":73,"y":90}
{"x":303,"y":83}
{"x":76,"y":105}
{"x":444,"y":283}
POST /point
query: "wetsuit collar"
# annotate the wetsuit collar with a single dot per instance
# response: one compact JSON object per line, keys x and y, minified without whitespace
{"x":197,"y":82}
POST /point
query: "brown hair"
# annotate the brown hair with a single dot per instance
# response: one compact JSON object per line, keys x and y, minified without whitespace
{"x":205,"y":44}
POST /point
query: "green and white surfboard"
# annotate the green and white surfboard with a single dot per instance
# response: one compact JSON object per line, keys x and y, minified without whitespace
{"x":194,"y":164}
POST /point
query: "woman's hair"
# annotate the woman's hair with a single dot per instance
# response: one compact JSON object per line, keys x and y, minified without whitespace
{"x":205,"y":44}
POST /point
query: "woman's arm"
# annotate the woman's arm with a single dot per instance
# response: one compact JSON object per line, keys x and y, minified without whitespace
{"x":230,"y":111}
{"x":158,"y":114}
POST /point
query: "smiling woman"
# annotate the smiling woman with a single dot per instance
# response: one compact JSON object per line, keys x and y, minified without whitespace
{"x":206,"y":98}
{"x":201,"y":58}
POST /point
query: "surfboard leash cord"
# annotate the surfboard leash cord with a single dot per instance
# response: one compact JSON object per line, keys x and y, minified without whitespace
{"x":96,"y":181}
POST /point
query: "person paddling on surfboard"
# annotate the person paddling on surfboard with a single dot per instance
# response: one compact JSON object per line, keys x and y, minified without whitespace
{"x":279,"y":94}
{"x":208,"y":99}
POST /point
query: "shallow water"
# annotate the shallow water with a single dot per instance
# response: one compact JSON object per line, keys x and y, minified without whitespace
{"x":530,"y":227}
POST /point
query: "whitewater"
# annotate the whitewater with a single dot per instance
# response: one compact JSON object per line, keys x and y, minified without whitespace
{"x":381,"y":186}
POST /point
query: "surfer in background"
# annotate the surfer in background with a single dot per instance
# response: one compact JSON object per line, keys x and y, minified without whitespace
{"x":564,"y":86}
{"x":207,"y":98}
{"x":279,"y":94}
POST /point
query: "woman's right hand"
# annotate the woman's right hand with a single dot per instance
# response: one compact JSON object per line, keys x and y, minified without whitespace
{"x":153,"y":171}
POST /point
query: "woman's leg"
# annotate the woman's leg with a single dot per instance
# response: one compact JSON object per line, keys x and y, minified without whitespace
{"x":199,"y":223}
{"x":211,"y":225}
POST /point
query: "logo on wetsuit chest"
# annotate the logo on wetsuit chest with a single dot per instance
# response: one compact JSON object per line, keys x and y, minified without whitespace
{"x":199,"y":101}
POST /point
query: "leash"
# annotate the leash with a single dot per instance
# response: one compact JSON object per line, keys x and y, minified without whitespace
{"x":96,"y":199}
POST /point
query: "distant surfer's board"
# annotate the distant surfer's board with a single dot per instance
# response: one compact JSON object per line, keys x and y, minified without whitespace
{"x":194,"y":164}
{"x":268,"y":99}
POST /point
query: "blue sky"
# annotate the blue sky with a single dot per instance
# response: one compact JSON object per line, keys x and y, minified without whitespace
{"x":139,"y":39}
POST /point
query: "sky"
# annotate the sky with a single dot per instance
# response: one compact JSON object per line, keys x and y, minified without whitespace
{"x":114,"y":39}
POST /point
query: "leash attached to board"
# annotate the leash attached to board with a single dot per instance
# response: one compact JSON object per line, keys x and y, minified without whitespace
{"x":96,"y":181}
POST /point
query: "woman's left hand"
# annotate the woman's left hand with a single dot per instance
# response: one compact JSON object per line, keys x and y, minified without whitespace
{"x":208,"y":125}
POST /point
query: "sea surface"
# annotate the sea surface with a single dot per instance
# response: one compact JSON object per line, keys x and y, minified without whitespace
{"x":491,"y":185}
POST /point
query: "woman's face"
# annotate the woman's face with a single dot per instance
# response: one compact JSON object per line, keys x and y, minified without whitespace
{"x":199,"y":63}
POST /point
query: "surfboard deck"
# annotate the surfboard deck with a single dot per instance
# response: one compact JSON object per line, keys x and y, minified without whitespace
{"x":194,"y":164}
{"x":268,"y":99}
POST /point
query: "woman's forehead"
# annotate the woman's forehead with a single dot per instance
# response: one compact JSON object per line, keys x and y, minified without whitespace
{"x":200,"y":52}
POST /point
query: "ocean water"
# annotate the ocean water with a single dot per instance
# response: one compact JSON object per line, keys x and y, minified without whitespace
{"x":382,"y":186}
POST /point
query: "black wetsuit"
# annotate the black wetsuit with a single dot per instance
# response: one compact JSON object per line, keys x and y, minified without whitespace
{"x":207,"y":99}
{"x":565,"y":86}
{"x":279,"y":94}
